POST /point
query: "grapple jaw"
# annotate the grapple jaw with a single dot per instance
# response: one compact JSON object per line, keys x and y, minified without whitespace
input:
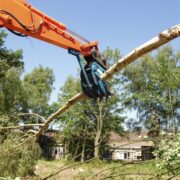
{"x":92,"y":84}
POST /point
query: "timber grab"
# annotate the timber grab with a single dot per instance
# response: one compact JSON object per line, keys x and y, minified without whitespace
{"x":22,"y":19}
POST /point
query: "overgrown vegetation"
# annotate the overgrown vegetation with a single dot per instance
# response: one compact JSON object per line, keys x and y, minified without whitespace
{"x":168,"y":153}
{"x":18,"y":159}
{"x":18,"y":99}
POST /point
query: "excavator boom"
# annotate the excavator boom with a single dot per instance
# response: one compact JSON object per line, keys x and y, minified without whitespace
{"x":22,"y":19}
{"x":19,"y":16}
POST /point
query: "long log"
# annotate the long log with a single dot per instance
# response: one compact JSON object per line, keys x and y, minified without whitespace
{"x":162,"y":38}
{"x":62,"y":109}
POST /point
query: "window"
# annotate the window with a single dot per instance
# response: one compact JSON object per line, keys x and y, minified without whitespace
{"x":125,"y":156}
{"x":138,"y":157}
{"x":55,"y":152}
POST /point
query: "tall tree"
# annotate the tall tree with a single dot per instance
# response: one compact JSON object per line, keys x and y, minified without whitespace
{"x":38,"y":86}
{"x":11,"y":67}
{"x":152,"y":88}
{"x":11,"y":89}
{"x":14,"y":154}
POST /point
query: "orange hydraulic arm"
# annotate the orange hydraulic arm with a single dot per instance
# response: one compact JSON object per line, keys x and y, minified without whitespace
{"x":24,"y":20}
{"x":20,"y":17}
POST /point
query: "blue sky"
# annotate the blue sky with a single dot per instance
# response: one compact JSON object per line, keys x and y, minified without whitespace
{"x":123,"y":24}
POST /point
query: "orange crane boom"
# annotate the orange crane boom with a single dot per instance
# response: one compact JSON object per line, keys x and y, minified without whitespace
{"x":24,"y":20}
{"x":19,"y":16}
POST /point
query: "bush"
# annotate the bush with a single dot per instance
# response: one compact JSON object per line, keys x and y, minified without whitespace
{"x":168,"y":153}
{"x":18,"y":160}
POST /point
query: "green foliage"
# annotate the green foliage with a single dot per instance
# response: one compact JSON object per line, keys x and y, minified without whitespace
{"x":168,"y":153}
{"x":17,"y":96}
{"x":38,"y":86}
{"x":11,"y":93}
{"x":11,"y":67}
{"x":16,"y":159}
{"x":5,"y":121}
{"x":152,"y":88}
{"x":9,"y":58}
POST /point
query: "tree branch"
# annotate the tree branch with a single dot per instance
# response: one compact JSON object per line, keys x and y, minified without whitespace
{"x":34,"y":114}
{"x":21,"y":126}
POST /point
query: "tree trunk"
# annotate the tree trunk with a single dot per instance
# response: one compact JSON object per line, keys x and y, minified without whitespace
{"x":65,"y":149}
{"x":76,"y":151}
{"x":84,"y":145}
{"x":83,"y":151}
{"x":96,"y":145}
{"x":99,"y":124}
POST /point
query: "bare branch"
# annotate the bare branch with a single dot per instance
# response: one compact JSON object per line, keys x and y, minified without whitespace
{"x":34,"y":114}
{"x":32,"y":131}
{"x":20,"y":126}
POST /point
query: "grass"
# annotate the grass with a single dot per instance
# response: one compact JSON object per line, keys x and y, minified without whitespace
{"x":96,"y":169}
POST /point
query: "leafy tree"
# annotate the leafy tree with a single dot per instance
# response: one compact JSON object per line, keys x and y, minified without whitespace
{"x":152,"y":89}
{"x":11,"y":67}
{"x":11,"y":90}
{"x":38,"y":86}
{"x":8,"y":57}
{"x":16,"y":159}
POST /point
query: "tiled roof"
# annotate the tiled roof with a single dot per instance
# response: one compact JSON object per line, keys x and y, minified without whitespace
{"x":130,"y":140}
{"x":129,"y":136}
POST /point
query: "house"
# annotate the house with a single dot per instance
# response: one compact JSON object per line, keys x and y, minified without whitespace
{"x":57,"y":152}
{"x":131,"y":147}
{"x":51,"y":148}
